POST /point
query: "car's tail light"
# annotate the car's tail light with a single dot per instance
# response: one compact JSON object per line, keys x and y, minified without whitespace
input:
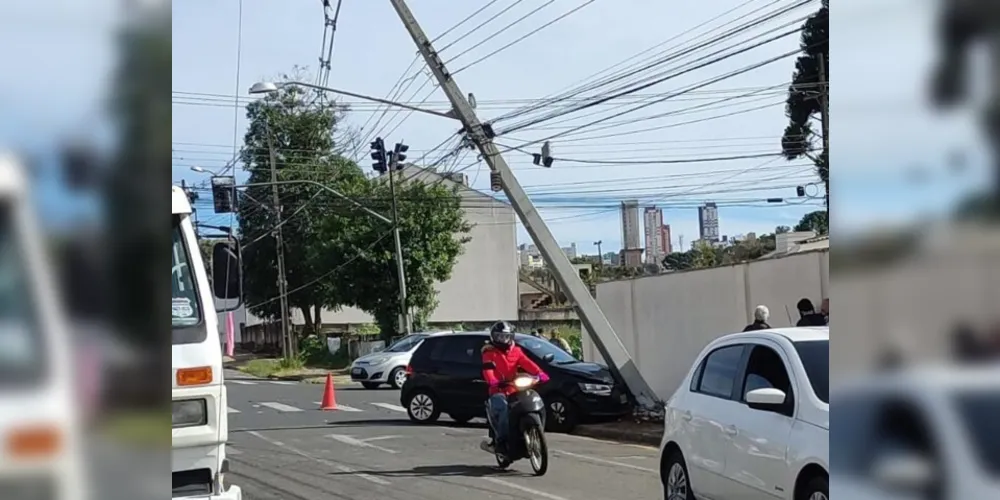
{"x":409,"y":370}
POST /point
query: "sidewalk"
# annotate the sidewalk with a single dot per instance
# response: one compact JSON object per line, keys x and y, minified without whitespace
{"x":644,"y":433}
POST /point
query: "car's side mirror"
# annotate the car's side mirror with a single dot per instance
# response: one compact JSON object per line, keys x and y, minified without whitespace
{"x":548,"y":357}
{"x":765,"y":399}
{"x":226,"y":271}
{"x":903,"y":472}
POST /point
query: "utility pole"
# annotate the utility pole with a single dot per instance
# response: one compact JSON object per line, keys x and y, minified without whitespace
{"x":594,"y":322}
{"x":387,"y":162}
{"x":395,"y":163}
{"x":600,"y":256}
{"x":286,"y":343}
{"x":824,"y":116}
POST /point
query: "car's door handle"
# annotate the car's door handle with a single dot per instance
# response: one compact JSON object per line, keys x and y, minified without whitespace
{"x":479,"y":380}
{"x":731,"y":430}
{"x":686,"y":416}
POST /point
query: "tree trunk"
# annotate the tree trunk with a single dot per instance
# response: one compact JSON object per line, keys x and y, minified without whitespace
{"x":318,"y":318}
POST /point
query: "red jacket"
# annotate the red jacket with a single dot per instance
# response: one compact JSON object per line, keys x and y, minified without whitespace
{"x":500,"y":366}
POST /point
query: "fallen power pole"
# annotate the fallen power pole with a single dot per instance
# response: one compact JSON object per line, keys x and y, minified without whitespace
{"x":594,"y":322}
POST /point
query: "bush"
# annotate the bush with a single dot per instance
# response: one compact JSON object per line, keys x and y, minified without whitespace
{"x":261,"y":367}
{"x":314,"y":352}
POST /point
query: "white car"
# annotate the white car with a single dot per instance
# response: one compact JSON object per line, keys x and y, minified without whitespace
{"x":388,"y":366}
{"x":922,"y":433}
{"x":752,"y":419}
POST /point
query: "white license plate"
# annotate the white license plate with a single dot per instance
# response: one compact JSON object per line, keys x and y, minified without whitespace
{"x":623,"y":398}
{"x":356,"y":371}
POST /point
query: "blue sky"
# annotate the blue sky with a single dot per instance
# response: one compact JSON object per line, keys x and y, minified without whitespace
{"x":881,"y":128}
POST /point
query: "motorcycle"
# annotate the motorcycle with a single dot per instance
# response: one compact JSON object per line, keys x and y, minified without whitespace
{"x":525,"y":435}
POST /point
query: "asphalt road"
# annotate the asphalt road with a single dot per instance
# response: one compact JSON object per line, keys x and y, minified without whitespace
{"x":281,"y":446}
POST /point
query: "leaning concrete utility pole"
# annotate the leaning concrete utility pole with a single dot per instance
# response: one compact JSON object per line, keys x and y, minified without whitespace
{"x":620,"y":362}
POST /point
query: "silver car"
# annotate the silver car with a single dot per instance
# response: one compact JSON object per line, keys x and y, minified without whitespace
{"x":388,"y":366}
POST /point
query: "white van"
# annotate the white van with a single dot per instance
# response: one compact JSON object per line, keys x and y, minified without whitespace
{"x":41,"y":454}
{"x":199,"y":417}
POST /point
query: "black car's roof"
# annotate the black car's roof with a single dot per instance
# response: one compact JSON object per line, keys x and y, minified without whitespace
{"x":518,"y":336}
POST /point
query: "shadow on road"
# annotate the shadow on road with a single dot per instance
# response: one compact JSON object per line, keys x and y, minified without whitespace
{"x":440,"y":471}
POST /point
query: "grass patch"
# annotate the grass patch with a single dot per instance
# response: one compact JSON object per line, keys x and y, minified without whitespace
{"x":145,"y":428}
{"x":262,"y":368}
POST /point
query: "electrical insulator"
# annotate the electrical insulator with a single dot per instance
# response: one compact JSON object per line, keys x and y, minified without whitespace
{"x":800,"y":190}
{"x":495,"y":183}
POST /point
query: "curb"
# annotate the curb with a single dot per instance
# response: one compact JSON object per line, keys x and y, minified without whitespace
{"x":648,"y":438}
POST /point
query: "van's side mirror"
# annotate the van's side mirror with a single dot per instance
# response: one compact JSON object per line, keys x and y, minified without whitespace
{"x":548,"y":357}
{"x":227,"y":272}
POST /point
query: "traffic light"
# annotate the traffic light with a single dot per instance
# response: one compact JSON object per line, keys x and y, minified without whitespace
{"x":398,"y":155}
{"x":800,"y":191}
{"x":223,"y":193}
{"x":378,"y":154}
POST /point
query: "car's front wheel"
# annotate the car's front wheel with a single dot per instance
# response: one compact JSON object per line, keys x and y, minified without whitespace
{"x":562,"y":415}
{"x":818,"y":488}
{"x":422,"y":407}
{"x":397,"y":378}
{"x":676,"y":482}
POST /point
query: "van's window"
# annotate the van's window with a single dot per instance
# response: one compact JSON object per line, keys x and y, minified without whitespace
{"x":22,"y":354}
{"x":405,"y":344}
{"x":185,"y":310}
{"x":978,"y":411}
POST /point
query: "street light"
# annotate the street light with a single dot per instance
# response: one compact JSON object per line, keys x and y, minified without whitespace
{"x":271,"y":87}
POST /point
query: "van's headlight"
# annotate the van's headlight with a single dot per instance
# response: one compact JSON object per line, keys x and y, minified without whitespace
{"x":189,"y":413}
{"x":596,"y":389}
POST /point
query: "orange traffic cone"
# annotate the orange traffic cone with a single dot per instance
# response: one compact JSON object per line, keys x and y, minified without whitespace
{"x":329,"y":398}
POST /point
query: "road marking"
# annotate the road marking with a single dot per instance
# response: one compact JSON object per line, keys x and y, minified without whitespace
{"x":524,"y":489}
{"x":390,"y":407}
{"x":243,"y":382}
{"x":342,"y":468}
{"x":283,"y":382}
{"x":380,"y":438}
{"x":340,"y":407}
{"x":606,"y":441}
{"x":231,"y":410}
{"x":350,"y":440}
{"x":605,"y":461}
{"x":280,"y":407}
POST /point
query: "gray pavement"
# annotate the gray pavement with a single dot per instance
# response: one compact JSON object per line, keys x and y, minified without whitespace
{"x":283,"y":447}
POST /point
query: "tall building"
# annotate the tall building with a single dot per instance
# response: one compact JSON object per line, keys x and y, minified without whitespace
{"x":708,"y":222}
{"x":570,"y":251}
{"x":652,"y":219}
{"x":631,"y":237}
{"x":668,"y":248}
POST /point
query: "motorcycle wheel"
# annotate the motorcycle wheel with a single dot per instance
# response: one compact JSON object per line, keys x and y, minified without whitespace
{"x":537,"y":449}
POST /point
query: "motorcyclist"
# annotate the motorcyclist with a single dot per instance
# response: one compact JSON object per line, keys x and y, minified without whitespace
{"x":501,"y":360}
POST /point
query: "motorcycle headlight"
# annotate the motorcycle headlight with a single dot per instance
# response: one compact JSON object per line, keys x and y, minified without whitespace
{"x":596,"y":389}
{"x":523,"y":382}
{"x":189,"y":413}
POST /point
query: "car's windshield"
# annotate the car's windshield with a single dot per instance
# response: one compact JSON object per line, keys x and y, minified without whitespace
{"x":541,"y":347}
{"x":184,"y":308}
{"x":406,"y":343}
{"x":815,"y":356}
{"x":979,"y":411}
{"x":22,"y":354}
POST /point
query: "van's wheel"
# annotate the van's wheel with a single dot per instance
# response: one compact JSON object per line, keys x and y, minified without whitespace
{"x":422,"y":408}
{"x":818,"y":488}
{"x":674,"y":475}
{"x":397,"y":377}
{"x":562,"y":414}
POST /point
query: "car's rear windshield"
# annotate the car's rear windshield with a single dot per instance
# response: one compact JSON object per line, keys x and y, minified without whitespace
{"x":406,"y":343}
{"x":979,"y":411}
{"x":23,"y":359}
{"x":815,"y":356}
{"x":541,"y":347}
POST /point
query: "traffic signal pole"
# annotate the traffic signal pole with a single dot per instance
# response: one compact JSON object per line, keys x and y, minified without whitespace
{"x":594,"y":322}
{"x":404,"y":310}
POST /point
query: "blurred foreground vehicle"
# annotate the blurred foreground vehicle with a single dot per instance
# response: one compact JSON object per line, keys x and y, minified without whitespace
{"x":41,"y":445}
{"x":920,"y":434}
{"x":752,"y":419}
{"x":199,"y":418}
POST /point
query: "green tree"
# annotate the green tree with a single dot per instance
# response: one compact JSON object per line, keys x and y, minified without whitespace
{"x":782,"y":229}
{"x":433,"y":231}
{"x":818,"y":221}
{"x":678,"y":261}
{"x":301,"y":130}
{"x":803,"y":102}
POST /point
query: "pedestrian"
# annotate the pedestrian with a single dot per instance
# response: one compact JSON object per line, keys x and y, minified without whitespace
{"x":760,"y":316}
{"x":537,"y":333}
{"x":559,"y":342}
{"x":824,"y":309}
{"x":808,"y":314}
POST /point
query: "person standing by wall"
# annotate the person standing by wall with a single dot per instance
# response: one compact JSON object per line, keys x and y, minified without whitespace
{"x":809,"y":316}
{"x":559,"y":342}
{"x":760,"y":316}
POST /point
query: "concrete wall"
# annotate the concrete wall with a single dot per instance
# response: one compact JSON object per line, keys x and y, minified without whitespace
{"x":664,"y":321}
{"x":483,"y":285}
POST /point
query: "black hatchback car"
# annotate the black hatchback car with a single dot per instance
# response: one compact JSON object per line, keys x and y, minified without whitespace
{"x":446,"y":376}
